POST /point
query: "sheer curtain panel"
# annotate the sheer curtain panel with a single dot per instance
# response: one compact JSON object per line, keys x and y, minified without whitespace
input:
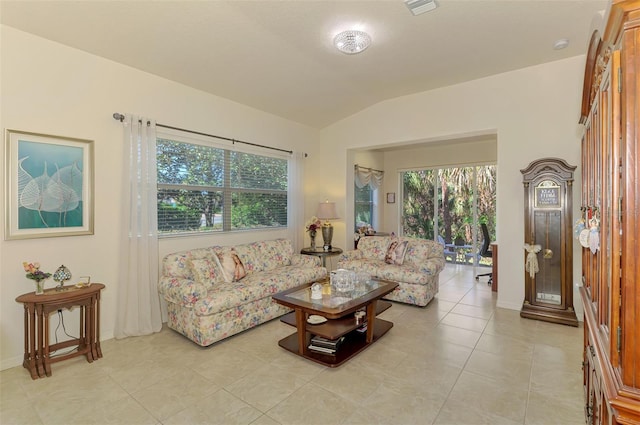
{"x":296,"y":200}
{"x":138,"y":305}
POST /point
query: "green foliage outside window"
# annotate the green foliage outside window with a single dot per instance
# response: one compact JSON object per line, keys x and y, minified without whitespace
{"x":363,"y":206}
{"x":206,"y":188}
{"x":455,"y":199}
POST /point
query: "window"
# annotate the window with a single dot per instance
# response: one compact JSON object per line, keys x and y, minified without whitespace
{"x":364,"y":206}
{"x":448,"y":204}
{"x":204,"y":188}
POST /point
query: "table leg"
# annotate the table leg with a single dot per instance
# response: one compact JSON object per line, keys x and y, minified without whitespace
{"x":96,"y":329}
{"x":46,"y":359}
{"x":30,"y":351}
{"x":39,"y":313}
{"x":89,"y":336}
{"x":371,"y":319}
{"x":302,"y":331}
{"x":87,"y":320}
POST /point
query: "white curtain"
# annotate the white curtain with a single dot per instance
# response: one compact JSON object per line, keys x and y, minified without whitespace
{"x":295,"y":200}
{"x":138,"y":305}
{"x":367,"y":176}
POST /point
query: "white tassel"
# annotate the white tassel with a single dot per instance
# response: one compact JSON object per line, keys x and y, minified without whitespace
{"x":531,"y":264}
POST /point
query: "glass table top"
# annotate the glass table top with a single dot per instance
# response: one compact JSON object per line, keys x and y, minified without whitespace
{"x":332,"y":298}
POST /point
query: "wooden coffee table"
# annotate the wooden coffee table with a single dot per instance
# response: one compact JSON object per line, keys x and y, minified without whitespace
{"x":339,"y":309}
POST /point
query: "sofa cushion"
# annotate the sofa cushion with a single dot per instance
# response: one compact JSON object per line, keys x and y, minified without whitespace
{"x":248,"y":256}
{"x":374,"y":247}
{"x":395,"y":252}
{"x":401,"y":274}
{"x":265,"y":255}
{"x":228,"y":295}
{"x":206,"y":271}
{"x":381,"y":270}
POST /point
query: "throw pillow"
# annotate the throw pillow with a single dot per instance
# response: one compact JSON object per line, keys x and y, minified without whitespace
{"x":232,"y":268}
{"x":395,"y":253}
{"x":205,"y":271}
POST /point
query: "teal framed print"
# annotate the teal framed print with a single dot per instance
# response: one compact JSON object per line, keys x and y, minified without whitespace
{"x":48,"y":186}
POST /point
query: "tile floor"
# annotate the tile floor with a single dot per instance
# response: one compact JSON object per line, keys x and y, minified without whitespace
{"x":460,"y":360}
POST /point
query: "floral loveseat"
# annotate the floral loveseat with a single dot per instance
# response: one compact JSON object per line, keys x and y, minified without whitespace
{"x":414,"y":263}
{"x":216,"y":292}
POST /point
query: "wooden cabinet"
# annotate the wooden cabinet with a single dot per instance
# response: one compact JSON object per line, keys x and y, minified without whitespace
{"x":611,"y":206}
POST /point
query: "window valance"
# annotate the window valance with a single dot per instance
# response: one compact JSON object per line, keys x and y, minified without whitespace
{"x":368,"y":176}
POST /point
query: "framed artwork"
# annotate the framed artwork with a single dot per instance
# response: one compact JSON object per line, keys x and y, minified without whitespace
{"x":391,"y":198}
{"x":49,"y":186}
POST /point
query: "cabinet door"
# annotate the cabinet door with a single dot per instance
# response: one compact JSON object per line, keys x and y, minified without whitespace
{"x":630,"y":204}
{"x":610,"y":228}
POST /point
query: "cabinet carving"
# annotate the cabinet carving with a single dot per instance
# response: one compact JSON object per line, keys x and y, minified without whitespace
{"x":611,"y":203}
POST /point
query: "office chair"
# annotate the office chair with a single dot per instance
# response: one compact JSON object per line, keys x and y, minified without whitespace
{"x":485,"y":251}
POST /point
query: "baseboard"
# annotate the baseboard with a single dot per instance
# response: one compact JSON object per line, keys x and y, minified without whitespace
{"x":509,"y":306}
{"x":11,"y":362}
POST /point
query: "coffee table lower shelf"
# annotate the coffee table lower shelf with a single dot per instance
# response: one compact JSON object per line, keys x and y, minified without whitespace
{"x":354,"y":343}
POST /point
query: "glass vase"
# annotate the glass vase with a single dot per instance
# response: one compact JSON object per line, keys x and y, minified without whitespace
{"x":312,"y":235}
{"x":39,"y":287}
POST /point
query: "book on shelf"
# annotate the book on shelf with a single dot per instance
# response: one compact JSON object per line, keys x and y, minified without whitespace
{"x":362,"y":329}
{"x":326,"y":343}
{"x":323,"y":350}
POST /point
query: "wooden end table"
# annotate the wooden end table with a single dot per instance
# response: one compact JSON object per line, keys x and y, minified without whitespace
{"x":320,"y":252}
{"x":339,"y":309}
{"x":37,"y":350}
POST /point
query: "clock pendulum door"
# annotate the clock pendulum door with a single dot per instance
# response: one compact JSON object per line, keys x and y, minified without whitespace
{"x":549,"y":279}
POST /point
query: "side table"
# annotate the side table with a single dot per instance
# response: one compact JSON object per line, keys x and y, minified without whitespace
{"x":320,"y":252}
{"x":37,"y":350}
{"x":494,"y":267}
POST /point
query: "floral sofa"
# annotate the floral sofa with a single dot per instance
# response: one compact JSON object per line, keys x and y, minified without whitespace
{"x":216,"y":292}
{"x":414,"y":263}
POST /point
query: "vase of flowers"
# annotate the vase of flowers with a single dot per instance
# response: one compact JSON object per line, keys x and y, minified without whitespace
{"x":34,"y":273}
{"x":312,"y":227}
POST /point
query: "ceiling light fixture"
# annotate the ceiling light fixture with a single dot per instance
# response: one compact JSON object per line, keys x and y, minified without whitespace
{"x":352,"y":41}
{"x":418,"y":7}
{"x":561,"y":44}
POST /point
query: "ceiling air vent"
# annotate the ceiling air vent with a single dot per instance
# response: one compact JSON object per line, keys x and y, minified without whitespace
{"x":418,"y":7}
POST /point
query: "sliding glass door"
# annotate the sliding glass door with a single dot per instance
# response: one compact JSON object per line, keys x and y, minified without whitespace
{"x":448,"y":205}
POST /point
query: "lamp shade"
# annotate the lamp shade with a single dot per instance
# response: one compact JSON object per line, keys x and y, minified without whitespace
{"x":327,"y":211}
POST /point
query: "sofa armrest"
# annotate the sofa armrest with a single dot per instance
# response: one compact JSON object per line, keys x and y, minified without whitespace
{"x":181,"y":291}
{"x":305,"y":260}
{"x":354,"y":254}
{"x":432,"y":266}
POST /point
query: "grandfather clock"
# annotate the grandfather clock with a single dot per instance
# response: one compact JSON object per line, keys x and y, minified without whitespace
{"x":548,"y":241}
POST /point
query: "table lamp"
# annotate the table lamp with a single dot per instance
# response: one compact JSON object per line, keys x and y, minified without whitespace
{"x":61,"y":275}
{"x":326,"y":212}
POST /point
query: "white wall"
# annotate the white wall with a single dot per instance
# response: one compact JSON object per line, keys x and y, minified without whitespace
{"x":534,"y":113}
{"x":49,"y":88}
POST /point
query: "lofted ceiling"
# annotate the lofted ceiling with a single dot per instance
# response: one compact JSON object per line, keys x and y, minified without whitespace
{"x":277,"y":56}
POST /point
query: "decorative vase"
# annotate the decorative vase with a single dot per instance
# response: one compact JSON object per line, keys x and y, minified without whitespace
{"x":312,"y":234}
{"x":39,"y":286}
